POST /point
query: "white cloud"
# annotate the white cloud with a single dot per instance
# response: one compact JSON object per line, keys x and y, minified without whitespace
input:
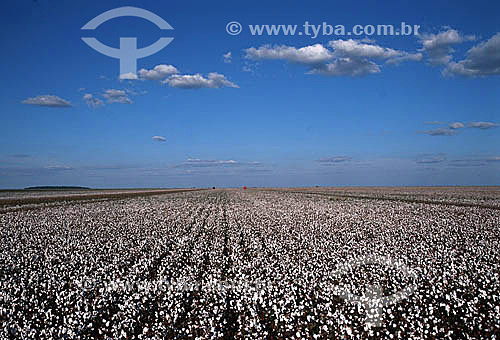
{"x":159,"y":72}
{"x":313,"y":54}
{"x":481,"y":60}
{"x":483,"y":125}
{"x":228,"y":58}
{"x":456,"y":125}
{"x":453,"y":125}
{"x":367,"y":40}
{"x":356,"y":49}
{"x":92,"y":101}
{"x":116,"y":96}
{"x":47,"y":100}
{"x":347,"y":67}
{"x":128,"y":76}
{"x":347,"y":57}
{"x":405,"y":57}
{"x":159,"y":138}
{"x":438,"y":47}
{"x":360,"y":50}
{"x":197,"y":81}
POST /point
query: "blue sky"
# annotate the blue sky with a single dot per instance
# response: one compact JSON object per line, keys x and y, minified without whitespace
{"x":276,"y":111}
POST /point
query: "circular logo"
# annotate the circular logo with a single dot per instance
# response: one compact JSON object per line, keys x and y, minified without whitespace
{"x":373,"y":300}
{"x":233,"y":28}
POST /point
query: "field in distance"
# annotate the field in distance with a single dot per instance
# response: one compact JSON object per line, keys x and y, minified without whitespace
{"x":36,"y":197}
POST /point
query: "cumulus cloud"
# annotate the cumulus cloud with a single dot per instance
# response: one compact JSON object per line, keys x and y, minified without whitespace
{"x":360,"y":50}
{"x":367,"y":40}
{"x":354,"y":48}
{"x":347,"y":67}
{"x":197,"y":81}
{"x":404,"y":58}
{"x":170,"y":75}
{"x":47,"y":100}
{"x":159,"y":72}
{"x":117,"y":96}
{"x":483,"y":125}
{"x":438,"y":47}
{"x":456,"y":125}
{"x":313,"y":54}
{"x":335,"y":159}
{"x":92,"y":101}
{"x":128,"y":76}
{"x":228,"y":58}
{"x":159,"y":139}
{"x":344,"y":58}
{"x":481,"y":60}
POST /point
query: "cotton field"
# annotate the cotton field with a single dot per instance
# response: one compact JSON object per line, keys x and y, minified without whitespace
{"x":251,"y":264}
